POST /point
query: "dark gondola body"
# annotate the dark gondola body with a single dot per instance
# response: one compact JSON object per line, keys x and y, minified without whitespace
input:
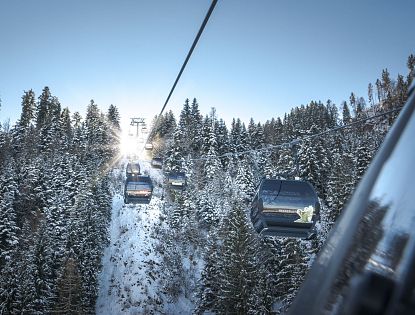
{"x":157,"y":162}
{"x":138,"y":190}
{"x":132,"y":171}
{"x":177,"y":180}
{"x":286,"y":208}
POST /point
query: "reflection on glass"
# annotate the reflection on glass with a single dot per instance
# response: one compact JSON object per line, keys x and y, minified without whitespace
{"x":380,"y":244}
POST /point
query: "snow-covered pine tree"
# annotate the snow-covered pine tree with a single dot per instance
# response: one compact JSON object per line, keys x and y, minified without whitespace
{"x":194,"y":127}
{"x":42,"y":108}
{"x":53,"y":187}
{"x":347,"y":117}
{"x":113,"y":117}
{"x":69,"y":288}
{"x":209,"y":284}
{"x":340,"y":180}
{"x":411,"y":67}
{"x":362,"y":158}
{"x":291,"y":268}
{"x":238,"y":137}
{"x":314,"y":163}
{"x":65,"y":130}
{"x":286,"y":162}
{"x":28,"y":108}
{"x":49,"y":142}
{"x":239,"y":266}
{"x":175,"y":154}
{"x":245,"y":181}
{"x":4,"y":145}
{"x":8,"y":217}
{"x":222,"y":139}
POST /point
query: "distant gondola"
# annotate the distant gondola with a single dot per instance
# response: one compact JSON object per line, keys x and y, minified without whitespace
{"x":288,"y":208}
{"x":148,"y":146}
{"x":177,"y":180}
{"x":132,"y":171}
{"x":139,"y":190}
{"x":157,"y":162}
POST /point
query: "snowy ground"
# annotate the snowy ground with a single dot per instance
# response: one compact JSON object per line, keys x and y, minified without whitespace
{"x":128,"y":283}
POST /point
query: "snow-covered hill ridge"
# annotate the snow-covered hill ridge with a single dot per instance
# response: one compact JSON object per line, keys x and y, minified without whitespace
{"x":128,"y":284}
{"x":131,"y":280}
{"x":128,"y":281}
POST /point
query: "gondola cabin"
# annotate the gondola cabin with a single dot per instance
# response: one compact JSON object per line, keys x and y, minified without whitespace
{"x":177,"y":180}
{"x":157,"y":162}
{"x":148,"y":146}
{"x":286,"y":208}
{"x":138,"y":190}
{"x":132,"y":171}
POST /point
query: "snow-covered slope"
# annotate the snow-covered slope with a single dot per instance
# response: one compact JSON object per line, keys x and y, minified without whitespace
{"x":128,"y":281}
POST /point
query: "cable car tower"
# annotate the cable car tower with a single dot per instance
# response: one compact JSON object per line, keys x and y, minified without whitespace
{"x":138,"y":121}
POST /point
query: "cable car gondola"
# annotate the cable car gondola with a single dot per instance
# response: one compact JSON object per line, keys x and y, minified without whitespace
{"x":157,"y":162}
{"x":138,"y":190}
{"x":132,"y":171}
{"x":148,"y":146}
{"x":287,"y":208}
{"x":177,"y":180}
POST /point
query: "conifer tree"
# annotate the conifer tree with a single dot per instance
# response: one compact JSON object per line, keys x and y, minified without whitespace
{"x":238,"y":263}
{"x":43,"y":105}
{"x":352,"y":99}
{"x":28,"y":108}
{"x":379,"y":91}
{"x":210,"y":280}
{"x":52,"y":201}
{"x":69,"y":289}
{"x":346,"y":114}
{"x":245,"y":181}
{"x":175,"y":154}
{"x":401,"y":91}
{"x":238,"y":138}
{"x":362,"y":159}
{"x":370,"y":94}
{"x":286,"y":164}
{"x":114,"y":116}
{"x":194,"y":126}
{"x":360,"y":106}
{"x":65,"y":130}
{"x":212,"y":164}
{"x":411,"y":66}
{"x":291,"y":269}
{"x":340,"y":180}
{"x":8,"y":221}
{"x":387,"y":84}
{"x":314,"y":164}
{"x":222,"y":139}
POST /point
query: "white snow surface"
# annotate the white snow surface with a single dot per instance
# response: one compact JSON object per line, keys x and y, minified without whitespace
{"x":129,"y":281}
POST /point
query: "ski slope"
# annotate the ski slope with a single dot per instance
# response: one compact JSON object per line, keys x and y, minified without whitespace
{"x":128,"y":283}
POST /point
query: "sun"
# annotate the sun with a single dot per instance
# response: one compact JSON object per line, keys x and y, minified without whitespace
{"x":128,"y":144}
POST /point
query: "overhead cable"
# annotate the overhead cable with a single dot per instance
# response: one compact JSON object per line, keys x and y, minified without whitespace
{"x":296,"y":141}
{"x":199,"y":33}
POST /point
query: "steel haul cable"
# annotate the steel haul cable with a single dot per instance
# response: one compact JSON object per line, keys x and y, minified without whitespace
{"x":199,"y":33}
{"x":296,"y":141}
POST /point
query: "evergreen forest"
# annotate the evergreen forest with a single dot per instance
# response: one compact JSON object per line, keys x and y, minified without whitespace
{"x":57,"y":185}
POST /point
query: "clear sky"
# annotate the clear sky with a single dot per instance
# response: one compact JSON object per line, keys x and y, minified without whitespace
{"x":256,"y":58}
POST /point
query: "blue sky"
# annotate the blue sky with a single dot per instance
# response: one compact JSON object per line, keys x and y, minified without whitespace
{"x":255,"y":59}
